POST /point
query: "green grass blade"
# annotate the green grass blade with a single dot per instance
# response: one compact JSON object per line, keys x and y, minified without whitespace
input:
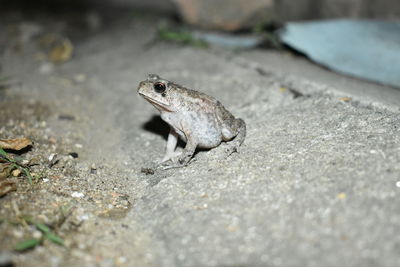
{"x":3,"y":153}
{"x":4,"y":78}
{"x":43,"y":228}
{"x":27,"y":244}
{"x":18,"y":159}
{"x":180,"y":36}
{"x":55,"y":239}
{"x":27,"y":173}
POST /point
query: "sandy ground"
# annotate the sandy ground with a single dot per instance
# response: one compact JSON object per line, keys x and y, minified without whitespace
{"x":316,"y":182}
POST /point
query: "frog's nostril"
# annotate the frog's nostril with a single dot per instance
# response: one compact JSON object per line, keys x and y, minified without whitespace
{"x":141,"y":84}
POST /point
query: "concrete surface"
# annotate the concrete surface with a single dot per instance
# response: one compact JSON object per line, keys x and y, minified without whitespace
{"x":313,"y":185}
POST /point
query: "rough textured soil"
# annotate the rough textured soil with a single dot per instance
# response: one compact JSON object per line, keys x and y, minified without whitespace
{"x":313,"y":185}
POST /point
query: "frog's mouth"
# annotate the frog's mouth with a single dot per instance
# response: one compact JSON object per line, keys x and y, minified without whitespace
{"x":157,"y":104}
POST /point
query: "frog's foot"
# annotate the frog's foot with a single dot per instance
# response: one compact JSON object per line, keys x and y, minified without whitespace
{"x":182,"y":160}
{"x":168,"y":157}
{"x":170,"y":165}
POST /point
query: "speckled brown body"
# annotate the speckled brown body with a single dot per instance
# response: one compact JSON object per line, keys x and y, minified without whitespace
{"x":200,"y":120}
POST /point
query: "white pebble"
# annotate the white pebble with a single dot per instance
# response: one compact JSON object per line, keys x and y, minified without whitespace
{"x":77,"y":194}
{"x":51,"y":157}
{"x":83,"y":217}
{"x":37,"y":234}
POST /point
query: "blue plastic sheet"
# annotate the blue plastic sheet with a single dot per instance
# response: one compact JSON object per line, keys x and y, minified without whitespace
{"x":367,"y":49}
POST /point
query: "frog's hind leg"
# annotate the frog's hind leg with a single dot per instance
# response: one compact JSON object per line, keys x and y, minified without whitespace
{"x":236,"y":130}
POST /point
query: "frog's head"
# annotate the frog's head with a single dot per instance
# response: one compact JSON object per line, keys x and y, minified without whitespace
{"x":158,"y":92}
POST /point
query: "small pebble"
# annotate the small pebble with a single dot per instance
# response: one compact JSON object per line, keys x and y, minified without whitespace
{"x":83,"y":217}
{"x":52,"y":159}
{"x":52,"y":156}
{"x":37,"y":234}
{"x":93,"y":169}
{"x":76,"y":194}
{"x":16,"y":172}
{"x":73,"y":155}
{"x":18,"y":234}
{"x":147,"y":171}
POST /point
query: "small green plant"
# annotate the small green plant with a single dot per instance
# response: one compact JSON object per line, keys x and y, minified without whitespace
{"x":4,"y":78}
{"x":180,"y":36}
{"x":16,"y":163}
{"x":267,"y":29}
{"x":33,"y":242}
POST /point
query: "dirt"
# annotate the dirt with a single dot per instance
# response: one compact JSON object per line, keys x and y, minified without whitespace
{"x":70,"y":196}
{"x":60,"y":196}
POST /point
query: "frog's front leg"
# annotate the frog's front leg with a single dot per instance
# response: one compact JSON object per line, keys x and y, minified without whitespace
{"x":183,"y":158}
{"x":171,"y":145}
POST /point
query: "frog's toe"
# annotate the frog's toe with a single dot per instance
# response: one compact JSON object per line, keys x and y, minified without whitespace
{"x":169,"y":157}
{"x":229,"y":150}
{"x":185,"y":158}
{"x":171,"y":165}
{"x":178,"y":161}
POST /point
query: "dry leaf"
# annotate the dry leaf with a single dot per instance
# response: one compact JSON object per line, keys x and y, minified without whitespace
{"x":15,"y":144}
{"x":61,"y":52}
{"x":6,"y":187}
{"x":5,"y":169}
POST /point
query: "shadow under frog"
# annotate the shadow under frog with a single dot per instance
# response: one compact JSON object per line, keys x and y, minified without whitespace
{"x":157,"y":126}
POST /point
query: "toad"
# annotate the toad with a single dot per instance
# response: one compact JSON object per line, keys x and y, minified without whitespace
{"x":198,"y":119}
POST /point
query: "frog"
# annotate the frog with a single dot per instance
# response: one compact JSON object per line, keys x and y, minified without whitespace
{"x":198,"y":119}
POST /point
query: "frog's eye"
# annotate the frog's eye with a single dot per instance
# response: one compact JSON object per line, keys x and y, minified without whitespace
{"x":159,"y":87}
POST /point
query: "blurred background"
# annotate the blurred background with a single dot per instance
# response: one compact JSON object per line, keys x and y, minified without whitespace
{"x":236,"y":14}
{"x":242,"y":14}
{"x":359,"y":38}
